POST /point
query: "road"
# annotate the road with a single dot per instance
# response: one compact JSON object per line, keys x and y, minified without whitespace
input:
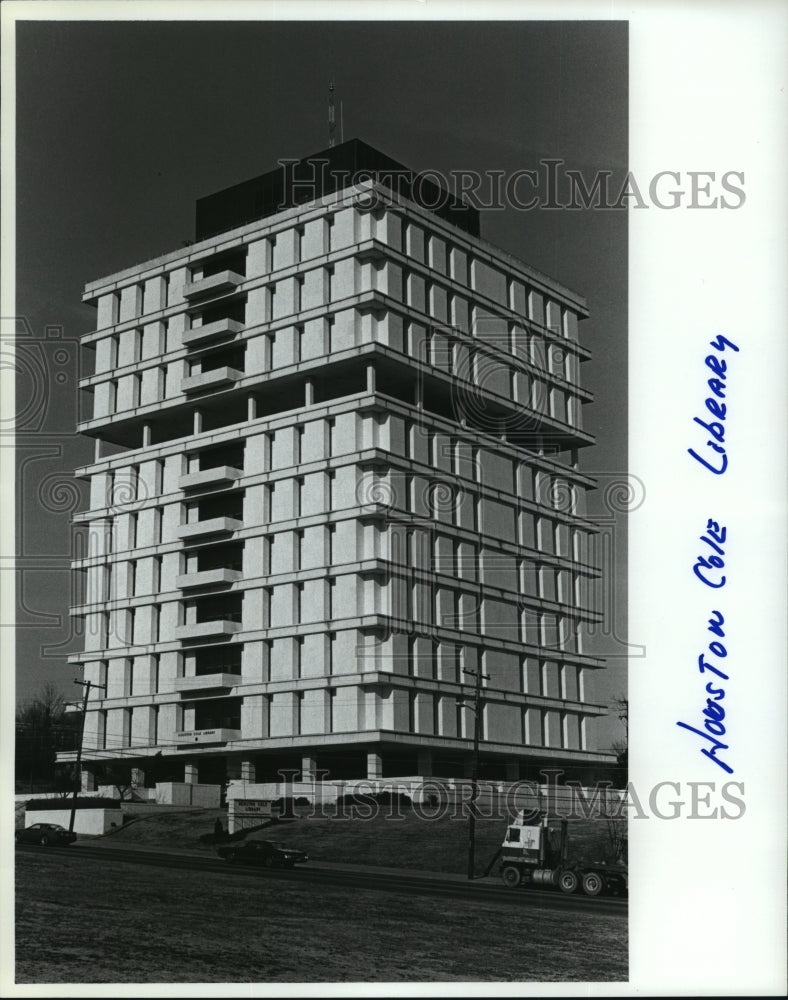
{"x":357,"y":877}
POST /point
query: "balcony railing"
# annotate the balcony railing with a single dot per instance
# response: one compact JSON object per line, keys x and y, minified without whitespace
{"x":200,"y":630}
{"x":207,"y":578}
{"x":212,"y":526}
{"x":210,"y":477}
{"x":211,"y":331}
{"x":206,"y":681}
{"x":213,"y":379}
{"x":214,"y":284}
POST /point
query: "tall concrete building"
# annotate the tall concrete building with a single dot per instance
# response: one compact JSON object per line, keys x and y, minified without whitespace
{"x":335,"y":478}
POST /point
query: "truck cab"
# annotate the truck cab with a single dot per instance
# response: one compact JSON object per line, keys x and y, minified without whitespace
{"x":536,"y":854}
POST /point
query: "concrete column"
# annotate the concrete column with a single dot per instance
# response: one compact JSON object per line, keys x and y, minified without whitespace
{"x":308,"y":768}
{"x":138,"y":777}
{"x":97,"y":449}
{"x":87,"y":780}
{"x":424,"y":763}
{"x":190,"y":774}
{"x":248,"y":772}
{"x":374,"y":766}
{"x":251,"y":408}
{"x":309,"y":393}
{"x":197,"y":422}
{"x":370,"y":378}
{"x":146,"y":435}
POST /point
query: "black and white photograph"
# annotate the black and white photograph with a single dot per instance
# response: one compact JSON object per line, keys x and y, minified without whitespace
{"x":381,"y":515}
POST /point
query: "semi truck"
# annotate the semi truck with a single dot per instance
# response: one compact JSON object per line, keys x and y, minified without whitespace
{"x":536,"y":854}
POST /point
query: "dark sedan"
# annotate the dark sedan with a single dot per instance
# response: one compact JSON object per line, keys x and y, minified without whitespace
{"x":45,"y":834}
{"x":262,"y":852}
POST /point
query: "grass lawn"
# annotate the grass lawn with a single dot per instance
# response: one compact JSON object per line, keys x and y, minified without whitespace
{"x":406,"y":841}
{"x":89,"y":921}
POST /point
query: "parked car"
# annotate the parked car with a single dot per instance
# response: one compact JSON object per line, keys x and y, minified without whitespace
{"x":45,"y":834}
{"x":262,"y":852}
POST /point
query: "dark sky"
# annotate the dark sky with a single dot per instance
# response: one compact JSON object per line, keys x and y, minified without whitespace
{"x":122,"y":126}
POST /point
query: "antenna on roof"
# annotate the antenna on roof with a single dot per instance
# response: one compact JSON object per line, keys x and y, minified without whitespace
{"x":332,"y":125}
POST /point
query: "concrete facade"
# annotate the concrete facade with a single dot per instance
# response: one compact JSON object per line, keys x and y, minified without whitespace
{"x":335,"y":473}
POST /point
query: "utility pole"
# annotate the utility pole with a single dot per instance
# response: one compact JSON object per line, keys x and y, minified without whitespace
{"x":87,"y":685}
{"x":477,"y":709}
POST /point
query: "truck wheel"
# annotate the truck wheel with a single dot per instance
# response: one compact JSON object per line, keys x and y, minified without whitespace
{"x":568,"y":882}
{"x":511,"y":876}
{"x":592,"y":883}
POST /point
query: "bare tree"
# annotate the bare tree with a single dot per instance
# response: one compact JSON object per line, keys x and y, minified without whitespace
{"x":44,"y":726}
{"x":119,"y":775}
{"x":620,"y":705}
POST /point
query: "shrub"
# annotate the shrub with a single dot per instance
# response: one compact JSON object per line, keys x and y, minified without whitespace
{"x":81,"y":802}
{"x":374,"y":801}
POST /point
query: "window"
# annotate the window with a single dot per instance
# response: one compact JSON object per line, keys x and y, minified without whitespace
{"x":298,"y":490}
{"x":331,"y":425}
{"x":331,"y":546}
{"x":113,"y":350}
{"x":329,"y":333}
{"x":158,"y":476}
{"x":137,"y":486}
{"x":299,"y":655}
{"x":298,"y":444}
{"x":331,"y":639}
{"x":154,"y":623}
{"x":132,"y":531}
{"x":131,"y":579}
